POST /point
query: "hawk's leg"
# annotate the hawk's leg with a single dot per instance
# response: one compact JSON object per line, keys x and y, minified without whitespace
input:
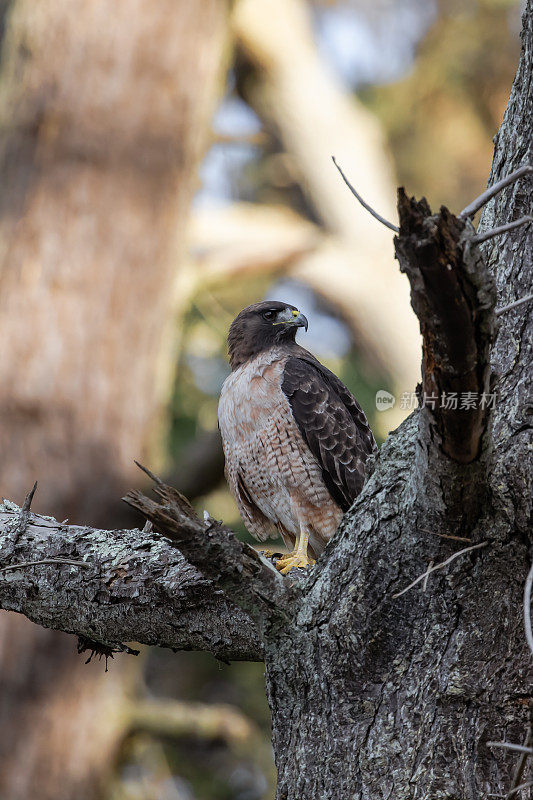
{"x":298,"y":558}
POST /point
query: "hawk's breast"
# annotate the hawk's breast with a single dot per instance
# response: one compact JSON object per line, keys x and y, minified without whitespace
{"x":271,"y":471}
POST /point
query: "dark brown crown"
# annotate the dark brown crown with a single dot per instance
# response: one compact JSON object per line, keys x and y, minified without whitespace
{"x":260,"y":327}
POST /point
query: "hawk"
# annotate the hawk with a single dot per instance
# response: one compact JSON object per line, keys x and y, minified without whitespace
{"x":295,"y":439}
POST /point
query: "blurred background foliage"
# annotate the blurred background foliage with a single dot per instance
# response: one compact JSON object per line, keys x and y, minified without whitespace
{"x":437,"y":76}
{"x":403,"y":93}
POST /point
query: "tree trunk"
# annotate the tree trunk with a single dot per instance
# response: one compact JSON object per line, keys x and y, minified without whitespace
{"x":380,"y":697}
{"x":379,"y":687}
{"x":105,"y":108}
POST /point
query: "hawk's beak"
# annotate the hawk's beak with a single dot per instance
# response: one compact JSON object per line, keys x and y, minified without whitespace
{"x":300,"y":320}
{"x":291,"y":316}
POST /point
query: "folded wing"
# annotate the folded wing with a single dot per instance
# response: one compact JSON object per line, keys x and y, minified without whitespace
{"x":332,"y":423}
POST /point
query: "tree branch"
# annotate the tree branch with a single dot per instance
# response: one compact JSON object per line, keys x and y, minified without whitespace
{"x":135,"y":586}
{"x":473,"y":207}
{"x":527,"y":609}
{"x":248,"y":579}
{"x":520,"y":302}
{"x":365,"y":205}
{"x":509,"y":226}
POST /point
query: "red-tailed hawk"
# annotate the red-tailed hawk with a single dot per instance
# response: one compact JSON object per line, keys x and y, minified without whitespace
{"x":295,"y":438}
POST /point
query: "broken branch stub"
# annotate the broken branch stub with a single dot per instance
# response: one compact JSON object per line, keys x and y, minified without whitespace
{"x":211,"y":547}
{"x":453,"y":297}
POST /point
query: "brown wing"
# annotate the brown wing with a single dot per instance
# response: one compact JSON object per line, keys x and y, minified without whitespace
{"x":254,"y":519}
{"x":332,"y":423}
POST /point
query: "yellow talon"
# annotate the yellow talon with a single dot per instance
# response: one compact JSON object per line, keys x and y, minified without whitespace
{"x":296,"y":559}
{"x":268,"y":553}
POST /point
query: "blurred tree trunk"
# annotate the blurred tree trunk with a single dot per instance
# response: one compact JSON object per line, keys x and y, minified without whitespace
{"x":104,"y":109}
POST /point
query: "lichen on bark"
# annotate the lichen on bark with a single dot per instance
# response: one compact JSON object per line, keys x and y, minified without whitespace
{"x":372,"y":695}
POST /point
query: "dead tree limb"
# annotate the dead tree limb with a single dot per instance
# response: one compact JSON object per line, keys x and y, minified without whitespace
{"x":247,"y":578}
{"x":453,"y":298}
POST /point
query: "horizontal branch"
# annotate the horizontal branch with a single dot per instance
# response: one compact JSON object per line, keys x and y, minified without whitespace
{"x":134,"y":586}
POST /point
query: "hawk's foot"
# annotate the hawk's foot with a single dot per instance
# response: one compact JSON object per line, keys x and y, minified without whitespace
{"x":269,"y":553}
{"x":296,"y":559}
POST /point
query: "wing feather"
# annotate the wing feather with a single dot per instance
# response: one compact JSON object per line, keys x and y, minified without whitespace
{"x":332,"y":423}
{"x":255,"y":520}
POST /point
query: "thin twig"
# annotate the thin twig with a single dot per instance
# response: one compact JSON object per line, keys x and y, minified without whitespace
{"x":516,"y":303}
{"x":29,"y":497}
{"x":520,"y":748}
{"x":447,"y":535}
{"x":24,"y":564}
{"x":365,"y":205}
{"x":518,"y":788}
{"x":522,"y":761}
{"x":483,"y":198}
{"x":439,"y":566}
{"x":22,"y":525}
{"x":482,"y":237}
{"x":527,"y":608}
{"x":150,"y":474}
{"x":425,"y":584}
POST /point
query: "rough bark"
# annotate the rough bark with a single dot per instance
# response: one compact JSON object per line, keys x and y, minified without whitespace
{"x":406,"y":692}
{"x":128,"y":585}
{"x":376,"y":692}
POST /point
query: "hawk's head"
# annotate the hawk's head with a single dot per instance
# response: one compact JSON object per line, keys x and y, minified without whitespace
{"x":261,"y":326}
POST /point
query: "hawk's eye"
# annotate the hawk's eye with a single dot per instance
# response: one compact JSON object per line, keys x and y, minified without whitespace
{"x":269,"y":315}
